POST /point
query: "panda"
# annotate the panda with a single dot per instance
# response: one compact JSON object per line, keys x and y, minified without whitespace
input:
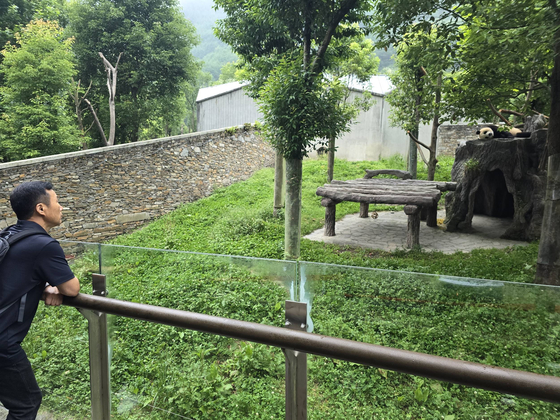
{"x":491,"y":132}
{"x":485,"y":133}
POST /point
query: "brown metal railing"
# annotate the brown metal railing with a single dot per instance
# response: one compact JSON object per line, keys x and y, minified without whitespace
{"x":520,"y":383}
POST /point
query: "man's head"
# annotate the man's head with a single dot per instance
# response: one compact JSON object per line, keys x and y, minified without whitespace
{"x":37,"y":201}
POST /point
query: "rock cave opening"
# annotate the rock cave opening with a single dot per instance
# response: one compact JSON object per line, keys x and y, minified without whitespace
{"x":492,"y":197}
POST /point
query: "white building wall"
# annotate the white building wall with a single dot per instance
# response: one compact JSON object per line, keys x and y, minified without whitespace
{"x":227,"y":110}
{"x":371,"y":136}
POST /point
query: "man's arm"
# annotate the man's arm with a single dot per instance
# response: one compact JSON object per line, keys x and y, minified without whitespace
{"x":53,"y":295}
{"x":70,"y":287}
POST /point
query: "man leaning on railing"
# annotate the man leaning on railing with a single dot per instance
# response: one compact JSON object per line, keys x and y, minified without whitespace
{"x":33,"y":267}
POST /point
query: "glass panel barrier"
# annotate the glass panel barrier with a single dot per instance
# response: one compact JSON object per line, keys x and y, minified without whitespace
{"x":161,"y":372}
{"x":511,"y":325}
{"x":57,"y":343}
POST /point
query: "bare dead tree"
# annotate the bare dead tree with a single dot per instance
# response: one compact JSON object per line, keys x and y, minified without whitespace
{"x":96,"y":121}
{"x":112,"y":86}
{"x":78,"y":99}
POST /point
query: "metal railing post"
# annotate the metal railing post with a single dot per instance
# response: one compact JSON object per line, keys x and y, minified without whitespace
{"x":98,"y":355}
{"x":296,"y":365}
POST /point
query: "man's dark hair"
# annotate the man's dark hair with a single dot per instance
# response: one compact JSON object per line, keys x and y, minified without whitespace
{"x":26,"y":196}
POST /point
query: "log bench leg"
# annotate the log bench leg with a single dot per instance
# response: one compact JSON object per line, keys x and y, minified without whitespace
{"x":413,"y":233}
{"x":330,"y":216}
{"x":431,"y":219}
{"x":364,"y":209}
{"x":424,"y":213}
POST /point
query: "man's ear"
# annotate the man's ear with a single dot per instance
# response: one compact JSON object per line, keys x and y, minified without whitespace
{"x":40,"y":208}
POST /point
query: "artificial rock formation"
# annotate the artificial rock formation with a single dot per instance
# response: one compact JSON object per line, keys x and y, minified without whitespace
{"x":500,"y":178}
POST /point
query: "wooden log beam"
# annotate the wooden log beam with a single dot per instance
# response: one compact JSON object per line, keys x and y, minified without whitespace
{"x":410,"y":183}
{"x":328,"y":202}
{"x":364,"y":209}
{"x":385,"y":187}
{"x":394,"y":172}
{"x":339,"y":196}
{"x":444,"y":186}
{"x":413,"y":232}
{"x":431,"y":192}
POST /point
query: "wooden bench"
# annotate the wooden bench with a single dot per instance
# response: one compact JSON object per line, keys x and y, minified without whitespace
{"x":414,"y":194}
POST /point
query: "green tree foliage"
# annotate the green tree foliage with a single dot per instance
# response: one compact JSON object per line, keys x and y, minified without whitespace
{"x":354,"y":62}
{"x":524,"y":36}
{"x":37,"y":70}
{"x":420,"y":60}
{"x":505,"y":58}
{"x":15,"y":14}
{"x":155,"y":71}
{"x":498,"y":54}
{"x":230,"y":72}
{"x":423,"y":75}
{"x":295,"y":107}
{"x":286,"y":45}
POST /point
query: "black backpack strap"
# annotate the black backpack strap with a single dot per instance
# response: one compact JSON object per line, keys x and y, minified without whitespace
{"x":24,"y":234}
{"x":4,"y":247}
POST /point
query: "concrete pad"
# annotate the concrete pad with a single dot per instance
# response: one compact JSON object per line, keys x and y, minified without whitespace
{"x":388,"y":232}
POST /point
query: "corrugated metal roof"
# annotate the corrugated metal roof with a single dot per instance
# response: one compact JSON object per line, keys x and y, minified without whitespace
{"x":378,"y":85}
{"x":212,"y":91}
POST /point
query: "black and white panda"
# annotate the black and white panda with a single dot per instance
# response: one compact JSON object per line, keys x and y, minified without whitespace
{"x":491,"y":132}
{"x":485,"y":133}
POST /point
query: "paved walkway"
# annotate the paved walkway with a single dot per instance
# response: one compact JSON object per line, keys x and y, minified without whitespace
{"x":388,"y":232}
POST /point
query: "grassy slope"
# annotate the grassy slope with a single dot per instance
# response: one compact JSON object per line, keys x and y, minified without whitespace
{"x":237,"y":220}
{"x":210,"y":377}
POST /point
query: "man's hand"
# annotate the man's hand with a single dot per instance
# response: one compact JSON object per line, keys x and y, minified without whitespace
{"x":52,"y":296}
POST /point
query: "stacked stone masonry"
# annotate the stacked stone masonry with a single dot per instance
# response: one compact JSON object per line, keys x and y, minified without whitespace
{"x":449,"y":137}
{"x":116,"y":189}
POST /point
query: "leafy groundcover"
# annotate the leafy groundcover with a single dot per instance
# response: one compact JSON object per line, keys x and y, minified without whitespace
{"x":161,"y":372}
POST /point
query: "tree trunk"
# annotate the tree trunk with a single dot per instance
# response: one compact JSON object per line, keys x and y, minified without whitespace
{"x":548,"y":263}
{"x":412,"y":162}
{"x":278,"y":183}
{"x":112,"y":86}
{"x":292,"y":225}
{"x":112,"y":117}
{"x":330,"y":160}
{"x":432,"y":162}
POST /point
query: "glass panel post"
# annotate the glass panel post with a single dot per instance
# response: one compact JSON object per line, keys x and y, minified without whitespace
{"x":296,"y":365}
{"x":98,"y":355}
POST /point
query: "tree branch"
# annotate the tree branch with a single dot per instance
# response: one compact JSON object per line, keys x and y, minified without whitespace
{"x":538,"y":113}
{"x":89,"y":128}
{"x":421,"y":153}
{"x":97,"y":121}
{"x":495,"y":111}
{"x":509,"y":111}
{"x":415,"y":140}
{"x":343,"y":11}
{"x":307,"y":34}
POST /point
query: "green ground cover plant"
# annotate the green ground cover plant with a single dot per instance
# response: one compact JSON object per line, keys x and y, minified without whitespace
{"x":201,"y":376}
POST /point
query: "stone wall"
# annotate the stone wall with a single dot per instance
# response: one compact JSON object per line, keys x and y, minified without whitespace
{"x":113,"y":190}
{"x":449,"y":137}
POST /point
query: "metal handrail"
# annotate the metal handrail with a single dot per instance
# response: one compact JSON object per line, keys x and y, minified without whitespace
{"x":508,"y":381}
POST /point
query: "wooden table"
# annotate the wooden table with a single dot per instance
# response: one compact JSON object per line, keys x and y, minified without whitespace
{"x":414,"y":194}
